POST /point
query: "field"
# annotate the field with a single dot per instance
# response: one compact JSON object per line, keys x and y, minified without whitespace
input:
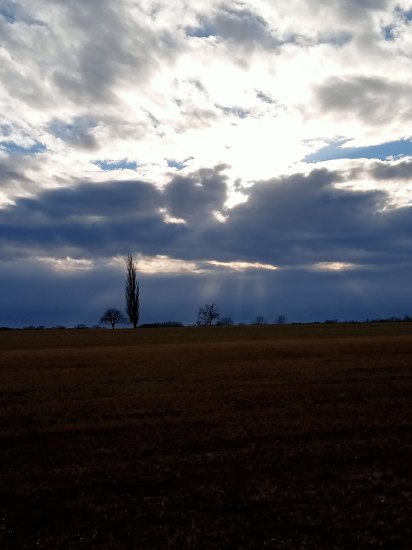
{"x":209,"y":438}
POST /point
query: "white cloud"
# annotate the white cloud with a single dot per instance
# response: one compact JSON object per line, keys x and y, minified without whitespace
{"x":68,"y":264}
{"x":97,"y":82}
{"x":242,"y":266}
{"x":334,"y":266}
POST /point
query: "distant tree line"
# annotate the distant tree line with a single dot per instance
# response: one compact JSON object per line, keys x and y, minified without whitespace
{"x":162,"y":325}
{"x":224,"y":321}
{"x":209,"y":315}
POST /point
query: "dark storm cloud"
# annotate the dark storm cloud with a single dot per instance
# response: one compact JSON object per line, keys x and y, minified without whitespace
{"x":111,"y":218}
{"x":305,"y":219}
{"x":374,"y":100}
{"x":87,"y":218}
{"x":291,"y":221}
{"x":110,"y":201}
{"x":195,"y":197}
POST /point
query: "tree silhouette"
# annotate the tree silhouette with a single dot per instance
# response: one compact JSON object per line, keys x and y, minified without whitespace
{"x":260,"y":320}
{"x":113,"y":317}
{"x":207,"y":314}
{"x":132,"y":292}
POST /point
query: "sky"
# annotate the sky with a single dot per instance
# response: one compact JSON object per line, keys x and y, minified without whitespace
{"x":252,"y":154}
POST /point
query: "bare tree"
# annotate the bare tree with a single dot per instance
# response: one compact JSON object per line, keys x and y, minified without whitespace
{"x":281,"y":320}
{"x":260,"y":320}
{"x":132,"y":292}
{"x":113,"y":317}
{"x":207,"y":314}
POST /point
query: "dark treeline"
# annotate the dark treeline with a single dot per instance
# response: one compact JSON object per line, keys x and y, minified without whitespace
{"x":177,"y":324}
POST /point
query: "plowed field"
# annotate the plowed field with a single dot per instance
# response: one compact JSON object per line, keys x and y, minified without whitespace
{"x":209,"y":438}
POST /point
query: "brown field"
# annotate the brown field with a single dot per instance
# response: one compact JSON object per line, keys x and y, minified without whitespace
{"x":209,"y":438}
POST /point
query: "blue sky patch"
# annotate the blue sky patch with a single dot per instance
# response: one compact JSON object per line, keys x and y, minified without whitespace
{"x":12,"y":12}
{"x":172,"y":163}
{"x":13,"y":149}
{"x":401,"y":17}
{"x":108,"y":165}
{"x":389,"y":33}
{"x":8,"y":13}
{"x":406,"y":15}
{"x":334,"y":151}
{"x":203,"y":31}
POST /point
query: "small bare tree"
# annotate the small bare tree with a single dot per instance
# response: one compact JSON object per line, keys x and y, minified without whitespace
{"x":260,"y":320}
{"x":113,"y":317}
{"x":132,"y":292}
{"x":207,"y":314}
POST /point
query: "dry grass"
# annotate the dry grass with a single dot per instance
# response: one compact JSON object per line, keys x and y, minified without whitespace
{"x":243,"y":437}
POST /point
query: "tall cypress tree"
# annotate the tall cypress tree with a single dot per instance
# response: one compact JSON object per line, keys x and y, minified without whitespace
{"x":132,"y":292}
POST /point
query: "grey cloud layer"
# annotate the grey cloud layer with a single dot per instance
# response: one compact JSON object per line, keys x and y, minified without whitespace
{"x":290,"y":221}
{"x":240,"y":26}
{"x":399,"y":171}
{"x":194,"y":199}
{"x":92,"y":47}
{"x":13,"y":176}
{"x":237,"y":24}
{"x":374,"y":100}
{"x":74,"y":59}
